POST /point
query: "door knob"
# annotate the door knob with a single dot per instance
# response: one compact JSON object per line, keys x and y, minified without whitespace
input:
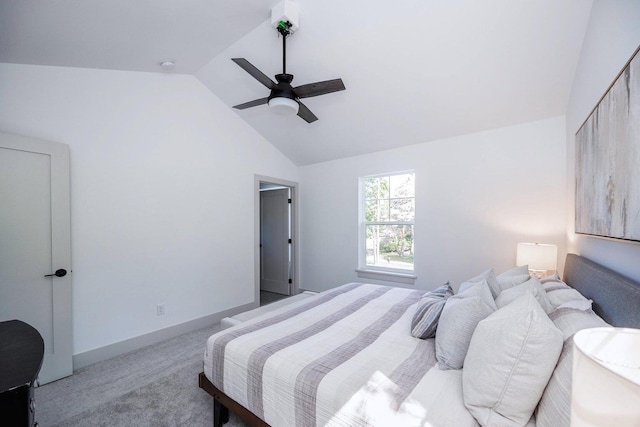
{"x":59,"y":273}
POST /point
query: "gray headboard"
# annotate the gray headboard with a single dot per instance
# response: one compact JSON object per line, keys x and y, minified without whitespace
{"x":615,"y":298}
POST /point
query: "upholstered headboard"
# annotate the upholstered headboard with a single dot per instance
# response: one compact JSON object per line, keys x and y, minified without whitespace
{"x":615,"y":298}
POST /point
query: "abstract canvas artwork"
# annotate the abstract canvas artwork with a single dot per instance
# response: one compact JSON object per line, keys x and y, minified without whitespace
{"x":608,"y":161}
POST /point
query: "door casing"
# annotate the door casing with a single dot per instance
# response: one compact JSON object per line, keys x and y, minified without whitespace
{"x":295,"y":286}
{"x":275,"y":232}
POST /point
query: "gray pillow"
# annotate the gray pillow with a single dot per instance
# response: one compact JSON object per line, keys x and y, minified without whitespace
{"x":555,"y":277}
{"x":458,"y":320}
{"x":489,"y":276}
{"x":425,"y":319}
{"x":558,"y":297}
{"x":511,"y":357}
{"x":513,"y":277}
{"x":532,"y":286}
{"x":479,"y":289}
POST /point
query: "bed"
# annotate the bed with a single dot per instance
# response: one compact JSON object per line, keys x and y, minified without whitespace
{"x":345,"y":357}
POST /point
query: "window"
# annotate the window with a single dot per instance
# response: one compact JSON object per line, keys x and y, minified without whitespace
{"x":387,"y":222}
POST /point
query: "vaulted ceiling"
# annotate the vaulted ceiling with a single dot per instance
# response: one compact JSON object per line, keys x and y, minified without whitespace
{"x":415,"y":71}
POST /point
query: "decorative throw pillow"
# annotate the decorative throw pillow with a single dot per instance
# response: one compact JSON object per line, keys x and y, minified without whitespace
{"x":552,"y":285}
{"x":515,"y":271}
{"x":582,"y":305}
{"x":489,"y":276}
{"x":479,"y":289}
{"x":513,"y":277}
{"x":532,"y":286}
{"x":512,"y":354}
{"x":458,"y":320}
{"x":555,"y":277}
{"x":554,"y":409}
{"x":560,"y":296}
{"x":425,"y":319}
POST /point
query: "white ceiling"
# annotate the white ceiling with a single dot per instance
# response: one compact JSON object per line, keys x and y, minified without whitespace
{"x":131,"y":35}
{"x":415,"y":71}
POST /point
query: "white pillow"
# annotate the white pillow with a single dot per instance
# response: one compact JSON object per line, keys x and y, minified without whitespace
{"x":489,"y":276}
{"x":532,"y":286}
{"x":479,"y":289}
{"x":511,"y":357}
{"x":515,"y":271}
{"x":513,"y":277}
{"x":458,"y":320}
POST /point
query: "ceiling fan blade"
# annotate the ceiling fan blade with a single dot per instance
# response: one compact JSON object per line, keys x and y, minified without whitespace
{"x":255,"y":73}
{"x":253,"y":103}
{"x":306,"y":114}
{"x":319,"y":88}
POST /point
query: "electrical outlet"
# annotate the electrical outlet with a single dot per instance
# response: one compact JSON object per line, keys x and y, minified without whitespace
{"x":160,"y":309}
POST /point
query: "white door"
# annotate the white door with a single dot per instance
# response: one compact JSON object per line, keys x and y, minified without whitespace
{"x":274,"y":241}
{"x":35,"y":240}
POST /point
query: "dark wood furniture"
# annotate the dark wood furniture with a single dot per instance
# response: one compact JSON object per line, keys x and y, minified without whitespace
{"x":21,"y":354}
{"x":615,"y":298}
{"x":223,"y":403}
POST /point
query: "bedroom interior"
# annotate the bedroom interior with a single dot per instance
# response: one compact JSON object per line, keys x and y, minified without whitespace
{"x":481,"y":100}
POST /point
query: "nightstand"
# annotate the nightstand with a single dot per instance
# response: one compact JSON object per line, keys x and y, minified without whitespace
{"x":21,"y":354}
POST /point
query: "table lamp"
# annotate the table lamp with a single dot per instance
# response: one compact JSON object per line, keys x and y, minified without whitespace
{"x":540,"y":257}
{"x":606,"y":378}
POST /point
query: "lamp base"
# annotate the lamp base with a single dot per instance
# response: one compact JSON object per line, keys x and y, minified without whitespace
{"x":539,"y":274}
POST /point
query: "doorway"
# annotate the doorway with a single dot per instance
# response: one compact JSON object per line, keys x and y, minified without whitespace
{"x":276,"y":232}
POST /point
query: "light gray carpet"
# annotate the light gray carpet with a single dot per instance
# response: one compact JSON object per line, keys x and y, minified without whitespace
{"x":267,"y":297}
{"x":153,"y":386}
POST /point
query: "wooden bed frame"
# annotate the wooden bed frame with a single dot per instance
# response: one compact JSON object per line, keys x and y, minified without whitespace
{"x":223,"y":403}
{"x":615,"y":298}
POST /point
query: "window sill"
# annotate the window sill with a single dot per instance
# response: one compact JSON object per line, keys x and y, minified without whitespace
{"x":389,"y":276}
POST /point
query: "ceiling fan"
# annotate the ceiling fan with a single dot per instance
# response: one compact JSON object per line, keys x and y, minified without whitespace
{"x":284,"y":98}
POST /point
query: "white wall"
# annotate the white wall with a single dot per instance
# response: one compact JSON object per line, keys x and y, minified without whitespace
{"x":613,"y":34}
{"x":162,"y":183}
{"x":477,"y":196}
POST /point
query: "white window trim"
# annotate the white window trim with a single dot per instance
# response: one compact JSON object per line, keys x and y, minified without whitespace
{"x":372,"y":272}
{"x":390,"y":276}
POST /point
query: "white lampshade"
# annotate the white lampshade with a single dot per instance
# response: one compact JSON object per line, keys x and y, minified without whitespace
{"x":284,"y":106}
{"x":538,"y":256}
{"x":606,"y":378}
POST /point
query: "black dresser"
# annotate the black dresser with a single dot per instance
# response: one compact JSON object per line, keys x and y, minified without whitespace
{"x":21,"y":354}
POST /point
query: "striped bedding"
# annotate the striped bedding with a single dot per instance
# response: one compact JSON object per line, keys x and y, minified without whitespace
{"x":341,"y":358}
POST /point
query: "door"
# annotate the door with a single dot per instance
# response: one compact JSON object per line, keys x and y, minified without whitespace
{"x":35,"y":241}
{"x":274,"y":241}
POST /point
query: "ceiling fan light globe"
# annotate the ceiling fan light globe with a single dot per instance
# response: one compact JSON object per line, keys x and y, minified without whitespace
{"x":283,"y":106}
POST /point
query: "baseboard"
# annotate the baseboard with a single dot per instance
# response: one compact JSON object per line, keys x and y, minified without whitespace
{"x":90,"y":357}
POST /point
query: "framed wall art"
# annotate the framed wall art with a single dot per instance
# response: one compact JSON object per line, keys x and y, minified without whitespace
{"x":608,"y":161}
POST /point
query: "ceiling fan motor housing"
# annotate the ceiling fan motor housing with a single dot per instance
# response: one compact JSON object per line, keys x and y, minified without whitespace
{"x":283,"y":88}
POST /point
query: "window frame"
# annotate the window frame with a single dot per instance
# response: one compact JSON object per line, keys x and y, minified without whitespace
{"x":378,"y":272}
